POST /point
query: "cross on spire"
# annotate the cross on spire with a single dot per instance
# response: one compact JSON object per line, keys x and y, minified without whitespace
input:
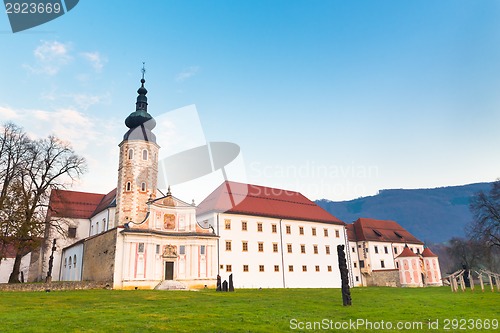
{"x":143,"y":70}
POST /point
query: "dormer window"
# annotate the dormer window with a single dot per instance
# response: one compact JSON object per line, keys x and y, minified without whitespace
{"x":398,"y":234}
{"x":377,"y":232}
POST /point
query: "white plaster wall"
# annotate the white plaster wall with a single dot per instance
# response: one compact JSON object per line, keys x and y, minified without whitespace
{"x":100,"y":222}
{"x":7,"y":265}
{"x":356,"y":272}
{"x":375,"y":258}
{"x":71,"y":272}
{"x":82,"y":232}
{"x":283,"y":278}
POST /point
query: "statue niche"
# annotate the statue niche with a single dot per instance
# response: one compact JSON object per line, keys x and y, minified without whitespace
{"x":169,"y":221}
{"x":170,"y":251}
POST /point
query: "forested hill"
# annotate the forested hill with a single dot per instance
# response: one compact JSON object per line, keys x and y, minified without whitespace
{"x":433,"y":215}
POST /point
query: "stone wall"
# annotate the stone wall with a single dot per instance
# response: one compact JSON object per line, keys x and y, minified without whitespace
{"x":383,"y":278}
{"x":67,"y":285}
{"x":99,"y":257}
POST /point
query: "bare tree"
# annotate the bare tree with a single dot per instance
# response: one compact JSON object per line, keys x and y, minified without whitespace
{"x":486,"y":210}
{"x":29,"y":170}
{"x":13,"y":145}
{"x":53,"y":164}
{"x":466,"y":253}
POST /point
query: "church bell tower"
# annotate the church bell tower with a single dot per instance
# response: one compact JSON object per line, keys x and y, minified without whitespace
{"x":138,"y":165}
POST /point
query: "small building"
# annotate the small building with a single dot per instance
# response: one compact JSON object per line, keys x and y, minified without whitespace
{"x":378,"y":248}
{"x":8,"y":256}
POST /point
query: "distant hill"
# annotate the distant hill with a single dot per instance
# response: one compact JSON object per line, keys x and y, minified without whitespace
{"x":432,"y":215}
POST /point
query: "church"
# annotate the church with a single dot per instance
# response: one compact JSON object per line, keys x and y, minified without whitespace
{"x":136,"y":237}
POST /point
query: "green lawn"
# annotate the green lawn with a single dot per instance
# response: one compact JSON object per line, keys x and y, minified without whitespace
{"x":267,"y":310}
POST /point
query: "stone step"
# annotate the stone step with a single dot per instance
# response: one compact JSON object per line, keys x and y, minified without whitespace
{"x":170,"y":285}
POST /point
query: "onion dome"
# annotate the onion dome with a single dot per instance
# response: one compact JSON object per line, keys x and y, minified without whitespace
{"x":140,"y":122}
{"x":141,"y":115}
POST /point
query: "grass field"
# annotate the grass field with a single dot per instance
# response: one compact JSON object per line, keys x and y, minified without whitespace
{"x":267,"y":310}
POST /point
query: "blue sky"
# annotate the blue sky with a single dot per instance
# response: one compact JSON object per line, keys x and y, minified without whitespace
{"x":335,"y":99}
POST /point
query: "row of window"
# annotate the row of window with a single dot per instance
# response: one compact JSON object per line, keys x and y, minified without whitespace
{"x":131,"y":154}
{"x":128,"y":187}
{"x":386,"y":249}
{"x":182,"y":249}
{"x":261,"y":268}
{"x":289,"y":247}
{"x":70,"y":261}
{"x":362,"y":264}
{"x":274,"y":228}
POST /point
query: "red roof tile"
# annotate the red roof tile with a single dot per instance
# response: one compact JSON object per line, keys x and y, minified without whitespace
{"x":407,"y":253}
{"x":351,"y":234}
{"x":10,"y":247}
{"x":8,"y":251}
{"x":366,"y":229}
{"x":428,"y":253}
{"x":107,"y":201}
{"x":73,"y":204}
{"x":239,"y":198}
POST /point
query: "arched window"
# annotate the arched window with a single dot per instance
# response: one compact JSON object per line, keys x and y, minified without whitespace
{"x":69,"y":263}
{"x":145,"y":155}
{"x":74,"y":260}
{"x":128,"y":187}
{"x":130,"y":154}
{"x":143,"y":186}
{"x":65,"y":262}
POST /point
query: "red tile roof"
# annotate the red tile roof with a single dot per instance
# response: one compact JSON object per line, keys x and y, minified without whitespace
{"x":428,"y":253}
{"x":407,"y":253}
{"x":239,"y":198}
{"x":351,"y":234}
{"x":8,"y":251}
{"x":72,"y":204}
{"x":10,"y":247}
{"x":107,"y":201}
{"x":366,"y":229}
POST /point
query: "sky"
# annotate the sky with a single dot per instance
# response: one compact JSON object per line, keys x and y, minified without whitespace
{"x":334,"y":99}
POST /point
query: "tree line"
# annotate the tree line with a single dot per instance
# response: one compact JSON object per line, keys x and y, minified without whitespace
{"x":29,"y":170}
{"x":480,"y":249}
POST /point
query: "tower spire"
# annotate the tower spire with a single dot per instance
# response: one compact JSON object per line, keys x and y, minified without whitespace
{"x":141,"y":115}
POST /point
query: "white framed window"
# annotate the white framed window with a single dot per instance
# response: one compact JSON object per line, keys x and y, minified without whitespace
{"x":140,"y":248}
